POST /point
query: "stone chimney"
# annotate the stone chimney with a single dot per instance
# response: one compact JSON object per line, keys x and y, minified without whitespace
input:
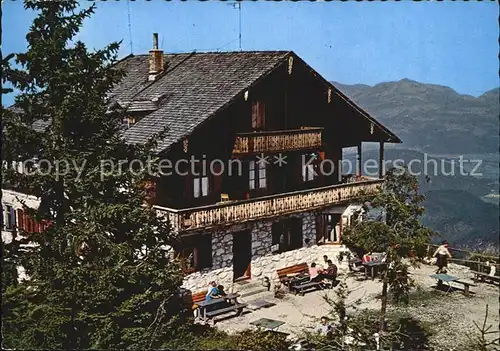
{"x":156,"y":64}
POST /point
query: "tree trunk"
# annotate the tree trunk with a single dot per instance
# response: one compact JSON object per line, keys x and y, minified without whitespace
{"x":383,"y":307}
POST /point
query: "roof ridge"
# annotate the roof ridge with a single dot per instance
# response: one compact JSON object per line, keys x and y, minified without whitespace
{"x":284,"y":52}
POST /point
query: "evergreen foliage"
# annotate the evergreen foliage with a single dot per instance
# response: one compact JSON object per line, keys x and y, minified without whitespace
{"x":100,"y":275}
{"x":397,"y":231}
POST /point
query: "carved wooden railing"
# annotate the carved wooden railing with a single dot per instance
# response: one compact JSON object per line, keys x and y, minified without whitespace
{"x":277,"y":141}
{"x":230,"y":212}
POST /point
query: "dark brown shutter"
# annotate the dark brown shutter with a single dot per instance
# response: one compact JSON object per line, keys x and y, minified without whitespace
{"x":258,"y":115}
{"x":217,"y":179}
{"x":20,"y":219}
{"x":36,"y":226}
{"x":320,"y":227}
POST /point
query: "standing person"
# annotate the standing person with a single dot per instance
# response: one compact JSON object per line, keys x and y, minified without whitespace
{"x":443,"y":254}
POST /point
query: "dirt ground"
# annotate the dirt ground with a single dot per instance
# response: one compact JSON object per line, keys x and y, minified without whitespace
{"x":451,"y":315}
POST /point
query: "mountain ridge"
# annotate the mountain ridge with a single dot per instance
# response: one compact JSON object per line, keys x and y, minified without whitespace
{"x":430,"y":117}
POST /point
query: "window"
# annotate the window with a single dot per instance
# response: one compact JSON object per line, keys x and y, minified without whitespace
{"x":196,"y":252}
{"x":311,"y":167}
{"x":200,"y":186}
{"x":308,"y":173}
{"x":129,"y":121}
{"x":287,"y":235}
{"x":9,"y":217}
{"x":258,"y":115}
{"x":257,"y":175}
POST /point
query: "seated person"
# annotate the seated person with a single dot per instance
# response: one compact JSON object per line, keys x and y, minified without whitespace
{"x":220,"y":290}
{"x":366,"y":258}
{"x":325,"y":262}
{"x":313,"y":271}
{"x":221,"y":293}
{"x":212,"y":293}
{"x":331,"y":272}
{"x":324,"y":328}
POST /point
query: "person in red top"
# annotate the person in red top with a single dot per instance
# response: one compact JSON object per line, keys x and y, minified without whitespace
{"x":366,"y":258}
{"x":331,"y":271}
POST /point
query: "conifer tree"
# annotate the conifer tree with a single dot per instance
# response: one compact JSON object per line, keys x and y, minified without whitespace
{"x":99,"y":274}
{"x":397,"y":232}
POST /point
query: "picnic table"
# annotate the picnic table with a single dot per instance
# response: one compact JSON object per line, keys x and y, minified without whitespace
{"x":290,"y":280}
{"x":218,"y":306}
{"x":448,"y":279}
{"x":297,"y":279}
{"x":372,"y":266}
{"x":268,"y":324}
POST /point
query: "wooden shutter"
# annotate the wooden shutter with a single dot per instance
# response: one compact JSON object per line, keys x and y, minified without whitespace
{"x":29,"y":226}
{"x":217,"y":180}
{"x":189,"y":186}
{"x":36,"y":226}
{"x":258,"y":115}
{"x":320,"y":227}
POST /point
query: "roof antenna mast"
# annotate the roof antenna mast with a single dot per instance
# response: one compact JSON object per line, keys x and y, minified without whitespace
{"x":239,"y":13}
{"x":129,"y":27}
{"x":237,"y":5}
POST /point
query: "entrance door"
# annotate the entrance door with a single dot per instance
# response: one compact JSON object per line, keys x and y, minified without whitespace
{"x":242,"y":255}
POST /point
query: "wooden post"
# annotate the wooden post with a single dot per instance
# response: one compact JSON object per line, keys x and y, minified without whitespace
{"x":358,"y":156}
{"x":381,"y":161}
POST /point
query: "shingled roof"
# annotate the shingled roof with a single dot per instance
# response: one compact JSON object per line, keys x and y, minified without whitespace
{"x":193,"y":88}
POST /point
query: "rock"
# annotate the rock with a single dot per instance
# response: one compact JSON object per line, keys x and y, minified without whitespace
{"x":256,"y":272}
{"x":222,"y":275}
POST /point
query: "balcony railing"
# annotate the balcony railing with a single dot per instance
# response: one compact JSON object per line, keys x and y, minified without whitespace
{"x":228,"y":213}
{"x":277,"y":141}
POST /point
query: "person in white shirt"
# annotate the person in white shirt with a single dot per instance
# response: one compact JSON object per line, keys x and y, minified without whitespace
{"x":442,"y":253}
{"x":324,"y":328}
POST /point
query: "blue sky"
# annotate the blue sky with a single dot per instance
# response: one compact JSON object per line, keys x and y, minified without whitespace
{"x":450,"y":43}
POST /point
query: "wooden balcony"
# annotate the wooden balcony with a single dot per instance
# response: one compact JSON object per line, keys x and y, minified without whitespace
{"x":233,"y":212}
{"x":277,"y":141}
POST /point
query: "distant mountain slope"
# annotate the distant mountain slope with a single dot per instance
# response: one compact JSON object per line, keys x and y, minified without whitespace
{"x":437,"y":120}
{"x":441,"y":175}
{"x":463,"y":219}
{"x":453,"y":202}
{"x":430,"y":117}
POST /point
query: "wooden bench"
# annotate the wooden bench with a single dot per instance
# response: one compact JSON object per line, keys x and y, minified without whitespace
{"x":299,"y":269}
{"x":466,"y":286}
{"x":479,"y":276}
{"x":190,"y":300}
